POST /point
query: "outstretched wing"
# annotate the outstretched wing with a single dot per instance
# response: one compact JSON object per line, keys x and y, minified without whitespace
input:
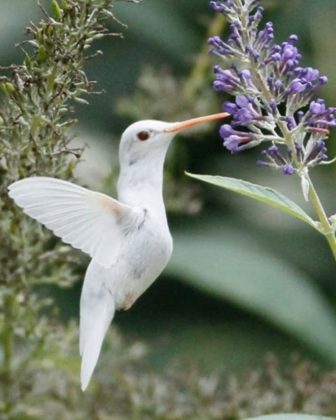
{"x":90,"y":221}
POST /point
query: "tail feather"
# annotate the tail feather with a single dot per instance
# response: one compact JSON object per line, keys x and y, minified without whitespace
{"x":96,"y":313}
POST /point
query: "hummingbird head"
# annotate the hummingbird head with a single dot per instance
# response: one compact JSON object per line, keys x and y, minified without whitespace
{"x":148,"y":140}
{"x":145,"y":141}
{"x":142,"y":151}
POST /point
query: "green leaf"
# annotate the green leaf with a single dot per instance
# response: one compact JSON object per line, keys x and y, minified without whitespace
{"x":290,"y":417}
{"x":260,"y":193}
{"x":232,"y":265}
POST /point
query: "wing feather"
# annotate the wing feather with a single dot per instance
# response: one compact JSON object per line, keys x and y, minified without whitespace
{"x":87,"y":220}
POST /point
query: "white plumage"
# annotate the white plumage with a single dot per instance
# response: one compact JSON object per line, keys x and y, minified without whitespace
{"x":82,"y":218}
{"x":97,"y":309}
{"x":128,"y":239}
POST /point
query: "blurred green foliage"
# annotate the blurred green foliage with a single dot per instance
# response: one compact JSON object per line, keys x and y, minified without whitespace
{"x":244,"y":279}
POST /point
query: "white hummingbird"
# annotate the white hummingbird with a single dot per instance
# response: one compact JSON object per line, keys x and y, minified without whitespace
{"x":128,"y":239}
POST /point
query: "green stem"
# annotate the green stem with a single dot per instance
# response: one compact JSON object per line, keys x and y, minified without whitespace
{"x":325,"y":223}
{"x":287,"y":136}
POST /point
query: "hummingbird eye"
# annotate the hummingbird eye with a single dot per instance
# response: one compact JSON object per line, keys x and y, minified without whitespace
{"x":143,"y":135}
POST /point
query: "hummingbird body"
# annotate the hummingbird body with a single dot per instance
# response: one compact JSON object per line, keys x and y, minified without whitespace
{"x":140,"y":261}
{"x":128,"y":239}
{"x":150,"y":245}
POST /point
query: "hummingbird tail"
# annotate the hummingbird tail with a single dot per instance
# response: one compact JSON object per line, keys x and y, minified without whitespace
{"x":96,"y":313}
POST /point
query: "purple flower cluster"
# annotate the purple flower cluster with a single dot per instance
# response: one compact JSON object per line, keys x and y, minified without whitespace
{"x":273,"y":93}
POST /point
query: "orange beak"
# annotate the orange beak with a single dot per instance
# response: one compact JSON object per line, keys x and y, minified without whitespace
{"x":195,"y":121}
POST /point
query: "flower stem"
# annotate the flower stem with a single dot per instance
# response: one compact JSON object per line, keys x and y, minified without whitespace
{"x":325,"y":223}
{"x":312,"y":196}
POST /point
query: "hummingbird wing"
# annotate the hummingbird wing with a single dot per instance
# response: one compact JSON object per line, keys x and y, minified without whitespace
{"x":90,"y":221}
{"x":97,"y":309}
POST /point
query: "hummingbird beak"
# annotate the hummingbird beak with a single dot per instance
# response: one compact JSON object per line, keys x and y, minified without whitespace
{"x":195,"y":121}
